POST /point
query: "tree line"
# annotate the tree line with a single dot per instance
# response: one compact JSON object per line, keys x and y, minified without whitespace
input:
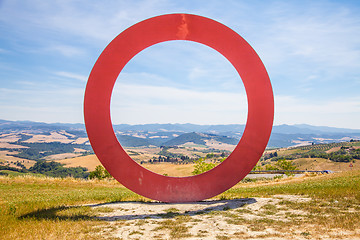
{"x":51,"y":169}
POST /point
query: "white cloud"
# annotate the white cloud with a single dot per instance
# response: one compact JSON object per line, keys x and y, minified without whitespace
{"x":72,"y":76}
{"x":65,"y":50}
{"x":143,"y":104}
{"x":340,"y":112}
{"x":88,"y":20}
{"x":45,"y":105}
{"x":327,"y":35}
{"x":182,"y":63}
{"x":306,"y":47}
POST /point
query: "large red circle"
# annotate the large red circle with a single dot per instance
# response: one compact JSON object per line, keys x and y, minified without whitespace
{"x":166,"y":28}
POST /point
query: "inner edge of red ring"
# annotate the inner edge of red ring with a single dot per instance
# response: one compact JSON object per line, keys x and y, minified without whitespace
{"x":217,"y":166}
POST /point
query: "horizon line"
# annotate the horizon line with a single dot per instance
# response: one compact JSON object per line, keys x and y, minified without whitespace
{"x":205,"y":124}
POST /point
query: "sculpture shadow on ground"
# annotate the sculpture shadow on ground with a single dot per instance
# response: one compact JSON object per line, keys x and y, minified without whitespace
{"x":134,"y":210}
{"x":156,"y":210}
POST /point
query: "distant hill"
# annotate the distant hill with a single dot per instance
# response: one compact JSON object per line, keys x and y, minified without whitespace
{"x":177,"y":134}
{"x":38,"y":126}
{"x":23,"y":143}
{"x":309,"y":129}
{"x":130,"y":141}
{"x":199,"y":138}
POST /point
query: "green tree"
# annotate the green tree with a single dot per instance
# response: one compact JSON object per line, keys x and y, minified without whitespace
{"x":269,"y":167}
{"x":100,"y":173}
{"x":257,"y":168}
{"x":283,"y":164}
{"x":55,"y":169}
{"x":201,"y":166}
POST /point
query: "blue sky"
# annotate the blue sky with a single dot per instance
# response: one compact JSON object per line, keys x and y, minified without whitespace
{"x":311,"y":50}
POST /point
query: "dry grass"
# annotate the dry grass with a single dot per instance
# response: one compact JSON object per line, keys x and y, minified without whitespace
{"x":4,"y":156}
{"x":42,"y":207}
{"x":61,"y":156}
{"x":328,"y":186}
{"x":177,"y":227}
{"x":53,"y":137}
{"x":90,"y":162}
{"x":9,"y":137}
{"x":320,"y":164}
{"x":174,"y":170}
{"x":313,"y":207}
{"x":10,"y":145}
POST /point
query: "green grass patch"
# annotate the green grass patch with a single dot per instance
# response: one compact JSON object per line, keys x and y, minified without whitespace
{"x":10,"y":173}
{"x":332,"y":186}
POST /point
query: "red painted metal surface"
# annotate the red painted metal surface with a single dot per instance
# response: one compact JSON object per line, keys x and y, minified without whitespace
{"x":166,"y":28}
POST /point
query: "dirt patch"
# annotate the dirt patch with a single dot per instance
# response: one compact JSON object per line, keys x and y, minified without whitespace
{"x":278,"y":217}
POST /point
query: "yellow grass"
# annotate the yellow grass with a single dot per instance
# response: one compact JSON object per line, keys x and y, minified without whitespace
{"x":324,"y":164}
{"x":11,"y":159}
{"x":81,"y":140}
{"x":11,"y":146}
{"x":53,"y":137}
{"x":42,"y":208}
{"x":219,"y":145}
{"x":173,"y":170}
{"x":61,"y":156}
{"x":9,"y":137}
{"x":90,"y":162}
{"x":321,"y":207}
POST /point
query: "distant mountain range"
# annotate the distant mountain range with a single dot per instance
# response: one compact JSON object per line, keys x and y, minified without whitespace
{"x":178,"y":134}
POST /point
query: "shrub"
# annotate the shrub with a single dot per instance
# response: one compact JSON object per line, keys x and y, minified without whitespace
{"x":201,"y":166}
{"x":99,"y":173}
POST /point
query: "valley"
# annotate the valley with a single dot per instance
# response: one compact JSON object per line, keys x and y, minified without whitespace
{"x":172,"y":149}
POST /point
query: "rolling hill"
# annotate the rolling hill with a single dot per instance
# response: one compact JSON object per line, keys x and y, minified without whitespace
{"x":171,"y":134}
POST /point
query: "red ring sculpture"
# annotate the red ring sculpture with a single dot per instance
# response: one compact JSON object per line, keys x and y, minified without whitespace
{"x":167,"y":28}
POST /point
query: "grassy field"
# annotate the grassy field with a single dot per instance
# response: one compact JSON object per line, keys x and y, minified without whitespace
{"x":169,"y":169}
{"x":40,"y":208}
{"x":50,"y":208}
{"x":89,"y":161}
{"x":320,"y":164}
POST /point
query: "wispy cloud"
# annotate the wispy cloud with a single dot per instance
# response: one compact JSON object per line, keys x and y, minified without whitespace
{"x":65,"y":50}
{"x":94,"y":20}
{"x":42,"y":104}
{"x":340,"y":112}
{"x":182,"y":64}
{"x":310,"y":49}
{"x":167,"y":104}
{"x":72,"y":76}
{"x":324,"y":36}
